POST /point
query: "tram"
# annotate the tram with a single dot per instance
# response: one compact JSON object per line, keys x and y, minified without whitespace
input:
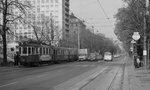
{"x":37,"y":54}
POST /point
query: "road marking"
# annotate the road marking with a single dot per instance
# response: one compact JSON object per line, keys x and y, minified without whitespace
{"x":8,"y":84}
{"x":86,"y":80}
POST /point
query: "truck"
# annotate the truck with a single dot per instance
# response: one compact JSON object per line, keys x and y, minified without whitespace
{"x":82,"y":54}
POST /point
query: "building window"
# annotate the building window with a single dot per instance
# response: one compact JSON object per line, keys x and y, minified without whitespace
{"x":56,"y":5}
{"x":56,"y":1}
{"x":47,"y":1}
{"x":42,"y":1}
{"x":51,"y":5}
{"x":47,"y":6}
{"x":51,"y":1}
{"x":38,"y":1}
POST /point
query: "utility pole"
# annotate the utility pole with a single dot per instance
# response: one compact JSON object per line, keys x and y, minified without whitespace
{"x":146,"y":13}
{"x":78,"y":32}
{"x":92,"y":38}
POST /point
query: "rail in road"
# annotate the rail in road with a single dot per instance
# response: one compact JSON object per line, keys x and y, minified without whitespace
{"x":110,"y":79}
{"x":107,"y":78}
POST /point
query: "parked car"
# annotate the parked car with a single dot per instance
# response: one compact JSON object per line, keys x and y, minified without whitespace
{"x":108,"y":56}
{"x":92,"y":57}
{"x":9,"y":60}
{"x":99,"y":57}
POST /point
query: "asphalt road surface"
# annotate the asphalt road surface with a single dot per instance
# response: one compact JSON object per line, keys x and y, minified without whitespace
{"x":69,"y":76}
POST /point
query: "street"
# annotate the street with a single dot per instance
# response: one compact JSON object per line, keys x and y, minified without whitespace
{"x":99,"y":75}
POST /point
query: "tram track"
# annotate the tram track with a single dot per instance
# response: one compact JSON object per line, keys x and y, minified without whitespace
{"x":114,"y":82}
{"x":110,"y":79}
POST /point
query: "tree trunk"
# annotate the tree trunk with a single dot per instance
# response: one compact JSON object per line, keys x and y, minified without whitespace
{"x":4,"y":48}
{"x":4,"y":33}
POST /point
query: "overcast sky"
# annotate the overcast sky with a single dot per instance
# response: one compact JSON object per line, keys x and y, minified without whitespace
{"x":92,"y":13}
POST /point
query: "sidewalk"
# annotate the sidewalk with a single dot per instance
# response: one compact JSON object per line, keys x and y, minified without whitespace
{"x":135,"y":79}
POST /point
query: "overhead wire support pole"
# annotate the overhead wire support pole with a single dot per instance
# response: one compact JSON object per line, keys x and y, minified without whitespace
{"x":146,"y":13}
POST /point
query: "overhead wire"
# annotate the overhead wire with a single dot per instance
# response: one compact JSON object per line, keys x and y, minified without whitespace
{"x":103,"y":10}
{"x":86,"y":19}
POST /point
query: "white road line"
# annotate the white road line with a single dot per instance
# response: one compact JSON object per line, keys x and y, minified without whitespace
{"x":8,"y":84}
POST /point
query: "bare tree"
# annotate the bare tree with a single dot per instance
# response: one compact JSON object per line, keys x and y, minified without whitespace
{"x":43,"y":28}
{"x":7,"y":8}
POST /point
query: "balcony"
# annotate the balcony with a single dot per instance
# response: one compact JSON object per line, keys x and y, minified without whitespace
{"x":67,"y":5}
{"x":67,"y":9}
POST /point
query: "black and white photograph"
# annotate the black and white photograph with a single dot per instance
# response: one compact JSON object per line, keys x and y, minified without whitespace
{"x":74,"y":44}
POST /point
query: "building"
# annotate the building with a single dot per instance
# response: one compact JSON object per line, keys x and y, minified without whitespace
{"x":76,"y":27}
{"x":56,"y":11}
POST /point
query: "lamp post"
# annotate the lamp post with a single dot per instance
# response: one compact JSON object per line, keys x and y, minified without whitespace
{"x":146,"y":13}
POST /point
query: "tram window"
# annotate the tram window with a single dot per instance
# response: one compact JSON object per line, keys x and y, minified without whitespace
{"x":43,"y":50}
{"x":63,"y":52}
{"x":19,"y":50}
{"x":55,"y":52}
{"x":29,"y":50}
{"x":58,"y":51}
{"x":24,"y":50}
{"x":40,"y":50}
{"x":52,"y":51}
{"x":47,"y":51}
{"x":33,"y":50}
{"x":36,"y":50}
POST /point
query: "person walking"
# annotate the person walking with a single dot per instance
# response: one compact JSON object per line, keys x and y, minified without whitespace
{"x":17,"y":58}
{"x":135,"y":61}
{"x":138,"y":61}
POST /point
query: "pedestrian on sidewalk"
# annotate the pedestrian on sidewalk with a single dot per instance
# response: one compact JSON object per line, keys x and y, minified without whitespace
{"x":138,"y":61}
{"x":135,"y":61}
{"x":17,"y":58}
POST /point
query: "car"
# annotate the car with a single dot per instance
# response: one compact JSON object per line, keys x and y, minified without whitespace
{"x":9,"y":60}
{"x":99,"y":57}
{"x":108,"y":56}
{"x":82,"y":57}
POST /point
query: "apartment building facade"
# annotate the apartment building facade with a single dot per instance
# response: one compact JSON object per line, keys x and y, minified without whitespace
{"x":77,"y":26}
{"x":56,"y":11}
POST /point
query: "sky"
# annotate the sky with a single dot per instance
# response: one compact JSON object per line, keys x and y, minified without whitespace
{"x":96,"y":12}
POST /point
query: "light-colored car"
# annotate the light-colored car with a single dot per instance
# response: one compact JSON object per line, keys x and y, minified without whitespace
{"x":82,"y":57}
{"x":108,"y":56}
{"x":9,"y":60}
